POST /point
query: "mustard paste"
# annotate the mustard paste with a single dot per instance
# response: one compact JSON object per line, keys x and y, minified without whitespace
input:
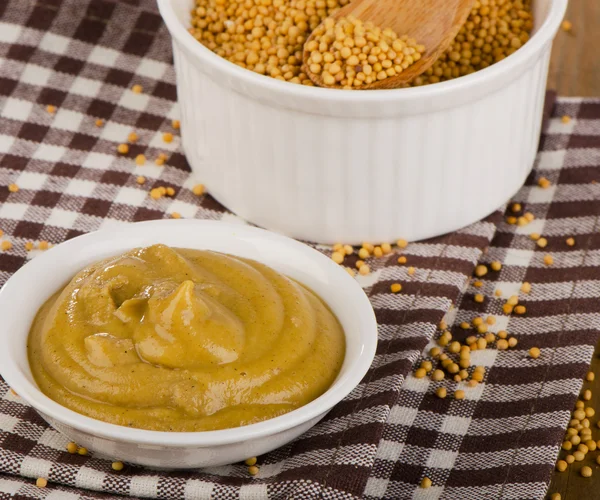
{"x":175,"y":339}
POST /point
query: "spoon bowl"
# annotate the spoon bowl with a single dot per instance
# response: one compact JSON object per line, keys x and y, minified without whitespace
{"x":432,"y":23}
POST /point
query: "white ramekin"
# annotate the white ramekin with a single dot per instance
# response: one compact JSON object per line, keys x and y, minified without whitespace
{"x":348,"y":166}
{"x":35,"y":282}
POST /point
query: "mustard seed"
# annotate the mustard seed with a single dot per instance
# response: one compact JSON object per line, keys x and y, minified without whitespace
{"x":364,"y":270}
{"x":426,"y":482}
{"x":137,"y":89}
{"x":590,"y":376}
{"x":542,"y":242}
{"x":198,"y":189}
{"x":13,"y":188}
{"x":253,"y":470}
{"x":478,"y":298}
{"x":566,"y":25}
{"x":569,"y":459}
{"x":401,"y":259}
{"x":544,"y":183}
{"x":478,"y":284}
{"x":586,"y":471}
{"x":123,"y":149}
{"x":534,"y":352}
{"x":437,"y":375}
{"x":337,"y":257}
{"x":396,"y":287}
{"x":117,"y":466}
{"x":561,"y":466}
{"x":587,"y":395}
{"x":460,"y":394}
{"x":41,"y":482}
{"x":481,"y":270}
{"x":526,"y":287}
{"x":176,"y":124}
{"x":548,"y":260}
{"x":140,"y":160}
{"x":72,"y":448}
{"x":427,"y":365}
{"x":167,"y":137}
{"x":51,"y":109}
{"x":250,"y":461}
{"x":99,"y":122}
{"x":520,"y":310}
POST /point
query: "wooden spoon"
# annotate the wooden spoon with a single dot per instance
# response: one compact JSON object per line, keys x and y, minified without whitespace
{"x":432,"y":23}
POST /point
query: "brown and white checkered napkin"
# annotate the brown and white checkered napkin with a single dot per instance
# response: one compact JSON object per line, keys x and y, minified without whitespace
{"x":83,"y":56}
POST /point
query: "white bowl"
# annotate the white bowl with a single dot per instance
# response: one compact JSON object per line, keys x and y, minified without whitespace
{"x":34,"y":283}
{"x":349,"y":166}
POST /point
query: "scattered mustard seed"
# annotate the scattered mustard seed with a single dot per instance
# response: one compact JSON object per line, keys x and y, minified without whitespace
{"x":587,"y":395}
{"x":542,"y":242}
{"x":82,"y":451}
{"x":426,"y":482}
{"x":566,"y":25}
{"x":140,"y":160}
{"x":570,"y":241}
{"x":498,"y":293}
{"x":378,"y":252}
{"x":41,"y":482}
{"x":51,"y":109}
{"x":526,"y":287}
{"x":590,"y":376}
{"x":123,"y":149}
{"x":337,"y":257}
{"x":478,"y":298}
{"x":72,"y":448}
{"x":6,"y":245}
{"x":411,"y":271}
{"x":548,"y":260}
{"x":481,"y":270}
{"x":132,"y":137}
{"x":13,"y":188}
{"x":170,"y":191}
{"x":359,"y":264}
{"x":176,"y":215}
{"x":364,"y":270}
{"x":520,"y":310}
{"x":512,"y":342}
{"x":250,"y":461}
{"x":441,"y":392}
{"x":118,"y":466}
{"x":511,"y":220}
{"x":420,"y":373}
{"x":460,"y":394}
{"x":437,"y":375}
{"x":99,"y":122}
{"x":140,"y":179}
{"x":137,"y":88}
{"x":401,"y":259}
{"x":496,"y":266}
{"x":176,"y":124}
{"x":402,"y":243}
{"x":555,"y":496}
{"x":44,"y":245}
{"x":159,"y":161}
{"x":586,"y":471}
{"x":29,"y":246}
{"x":534,"y":236}
{"x":348,"y":249}
{"x":515,"y":207}
{"x":167,"y":137}
{"x":478,"y":284}
{"x":544,"y":183}
{"x":396,"y":287}
{"x":534,"y":352}
{"x":253,"y":470}
{"x":561,"y":466}
{"x":198,"y":189}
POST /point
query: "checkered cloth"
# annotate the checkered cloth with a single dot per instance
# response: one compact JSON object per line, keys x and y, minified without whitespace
{"x":83,"y":56}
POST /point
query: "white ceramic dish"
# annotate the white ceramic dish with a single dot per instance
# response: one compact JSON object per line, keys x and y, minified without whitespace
{"x":31,"y":286}
{"x":349,"y":166}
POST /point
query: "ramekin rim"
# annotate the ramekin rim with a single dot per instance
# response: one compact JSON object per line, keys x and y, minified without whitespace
{"x":340,"y":388}
{"x":544,"y":34}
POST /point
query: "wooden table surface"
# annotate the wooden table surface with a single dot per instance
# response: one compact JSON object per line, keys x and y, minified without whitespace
{"x":575,"y":71}
{"x":575,"y":64}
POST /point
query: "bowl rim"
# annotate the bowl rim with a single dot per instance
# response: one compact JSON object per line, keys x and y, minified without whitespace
{"x":251,"y":79}
{"x":354,"y":373}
